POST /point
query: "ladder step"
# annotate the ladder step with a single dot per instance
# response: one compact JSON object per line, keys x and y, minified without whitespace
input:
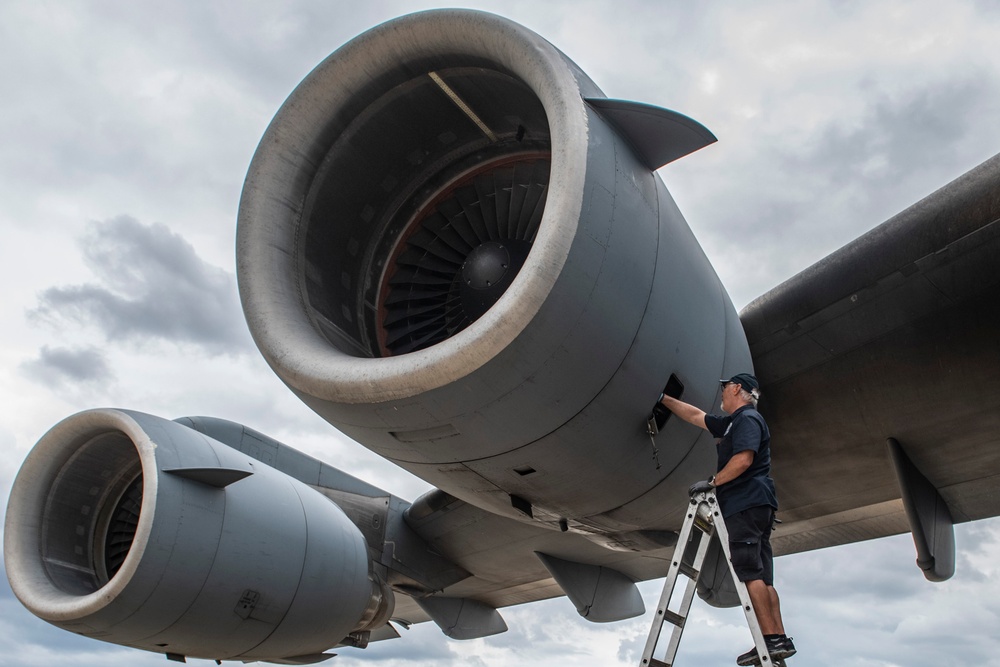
{"x":673,"y":617}
{"x":653,"y":662}
{"x":689,"y":571}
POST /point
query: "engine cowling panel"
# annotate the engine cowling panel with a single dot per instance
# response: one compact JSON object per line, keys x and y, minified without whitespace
{"x":142,"y":532}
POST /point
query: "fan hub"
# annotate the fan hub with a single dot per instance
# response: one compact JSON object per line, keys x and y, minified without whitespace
{"x":488,"y":271}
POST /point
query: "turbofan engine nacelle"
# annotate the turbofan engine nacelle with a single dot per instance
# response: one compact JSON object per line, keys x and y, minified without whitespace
{"x":140,"y":531}
{"x":454,"y":248}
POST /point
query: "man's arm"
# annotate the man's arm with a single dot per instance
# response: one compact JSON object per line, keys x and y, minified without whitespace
{"x":736,"y":466}
{"x":685,"y":411}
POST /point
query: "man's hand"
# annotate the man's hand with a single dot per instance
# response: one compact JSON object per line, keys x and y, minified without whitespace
{"x":702,"y":487}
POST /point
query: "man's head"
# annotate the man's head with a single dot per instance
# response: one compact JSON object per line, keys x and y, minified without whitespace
{"x":739,"y":390}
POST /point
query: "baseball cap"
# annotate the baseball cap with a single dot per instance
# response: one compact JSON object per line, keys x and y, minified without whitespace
{"x":747,"y":381}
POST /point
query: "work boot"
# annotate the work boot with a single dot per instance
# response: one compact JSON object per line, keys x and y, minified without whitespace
{"x":779,"y":648}
{"x":749,"y":658}
{"x":784,"y":649}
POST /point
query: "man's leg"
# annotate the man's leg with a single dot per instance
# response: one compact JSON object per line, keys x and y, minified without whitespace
{"x":767,"y":562}
{"x":776,"y":610}
{"x":764,"y":607}
{"x":753,"y":563}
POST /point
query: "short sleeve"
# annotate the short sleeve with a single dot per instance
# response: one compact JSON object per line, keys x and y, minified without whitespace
{"x":745,"y":435}
{"x":717,"y":424}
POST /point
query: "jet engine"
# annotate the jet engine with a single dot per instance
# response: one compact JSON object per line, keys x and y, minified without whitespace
{"x":143,"y":532}
{"x":454,"y":248}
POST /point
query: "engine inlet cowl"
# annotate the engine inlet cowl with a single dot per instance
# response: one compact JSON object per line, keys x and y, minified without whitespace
{"x":388,"y":167}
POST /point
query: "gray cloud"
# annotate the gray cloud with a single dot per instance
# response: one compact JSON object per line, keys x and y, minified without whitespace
{"x":68,"y":365}
{"x":898,"y":138}
{"x":810,"y":194}
{"x":151,"y":284}
{"x":901,"y":139}
{"x":422,"y":643}
{"x":630,"y":648}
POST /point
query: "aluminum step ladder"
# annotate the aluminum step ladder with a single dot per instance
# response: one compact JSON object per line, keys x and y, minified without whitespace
{"x":703,"y":523}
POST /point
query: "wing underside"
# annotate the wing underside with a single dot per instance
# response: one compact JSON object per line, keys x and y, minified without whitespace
{"x":893,"y":336}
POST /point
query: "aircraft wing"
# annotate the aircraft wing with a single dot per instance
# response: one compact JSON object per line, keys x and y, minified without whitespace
{"x":892,"y":336}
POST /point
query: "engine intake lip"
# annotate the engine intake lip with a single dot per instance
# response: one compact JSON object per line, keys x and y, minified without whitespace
{"x":59,"y":512}
{"x":291,"y":153}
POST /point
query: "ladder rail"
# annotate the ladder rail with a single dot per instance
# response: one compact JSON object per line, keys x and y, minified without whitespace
{"x":663,"y":612}
{"x":695,"y":511}
{"x":704,"y":516}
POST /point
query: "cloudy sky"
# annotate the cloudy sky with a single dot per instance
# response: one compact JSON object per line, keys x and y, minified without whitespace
{"x":125,"y":133}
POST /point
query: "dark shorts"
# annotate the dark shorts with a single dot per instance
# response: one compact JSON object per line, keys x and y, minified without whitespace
{"x":750,"y":544}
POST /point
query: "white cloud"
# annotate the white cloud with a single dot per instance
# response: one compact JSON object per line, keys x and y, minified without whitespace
{"x":710,"y":81}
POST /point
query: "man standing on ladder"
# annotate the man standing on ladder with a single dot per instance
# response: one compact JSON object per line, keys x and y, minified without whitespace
{"x":746,"y":496}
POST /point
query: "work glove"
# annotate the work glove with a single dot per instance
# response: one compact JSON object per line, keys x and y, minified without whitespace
{"x":702,"y":487}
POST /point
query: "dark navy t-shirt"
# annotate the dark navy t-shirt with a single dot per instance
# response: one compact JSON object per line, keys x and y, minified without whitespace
{"x":743,"y":430}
